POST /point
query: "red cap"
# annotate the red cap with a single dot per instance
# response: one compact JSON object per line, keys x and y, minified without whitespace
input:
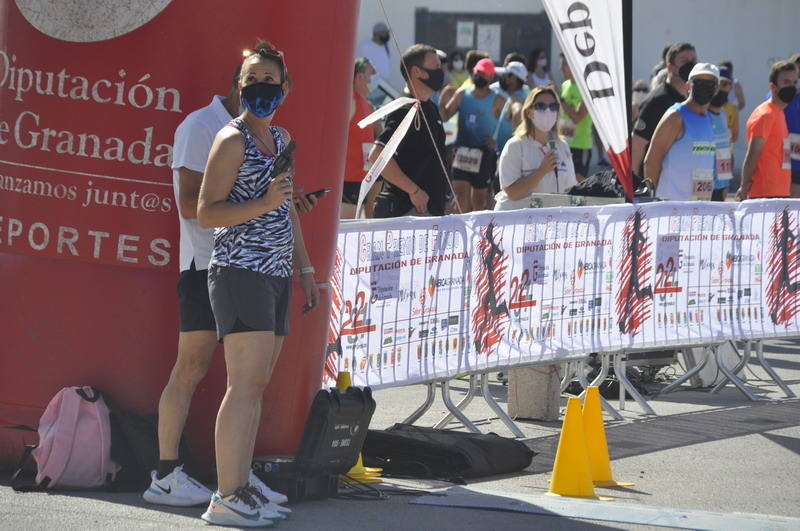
{"x":485,"y":66}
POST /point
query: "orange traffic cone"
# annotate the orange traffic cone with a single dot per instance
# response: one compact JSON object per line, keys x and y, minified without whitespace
{"x":572,"y":474}
{"x":359,"y":471}
{"x":596,"y":441}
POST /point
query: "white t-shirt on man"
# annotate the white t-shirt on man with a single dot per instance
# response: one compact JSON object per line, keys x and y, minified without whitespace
{"x":193,"y":140}
{"x":521,"y":156}
{"x":379,"y":57}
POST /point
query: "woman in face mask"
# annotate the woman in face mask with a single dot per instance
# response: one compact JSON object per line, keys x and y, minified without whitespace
{"x":257,"y":247}
{"x":535,"y":160}
{"x":457,"y":73}
{"x":538,"y":67}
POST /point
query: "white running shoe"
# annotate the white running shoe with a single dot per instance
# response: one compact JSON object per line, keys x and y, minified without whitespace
{"x":176,"y":489}
{"x":239,"y":509}
{"x":279,"y":511}
{"x":274,"y":497}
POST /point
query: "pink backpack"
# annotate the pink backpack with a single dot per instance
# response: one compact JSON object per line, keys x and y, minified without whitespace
{"x":74,"y":448}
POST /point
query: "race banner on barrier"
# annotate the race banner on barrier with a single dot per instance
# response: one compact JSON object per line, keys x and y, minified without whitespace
{"x":421,"y":299}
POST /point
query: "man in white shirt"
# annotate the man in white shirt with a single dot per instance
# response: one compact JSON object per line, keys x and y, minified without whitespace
{"x":379,"y":54}
{"x":197,"y":339}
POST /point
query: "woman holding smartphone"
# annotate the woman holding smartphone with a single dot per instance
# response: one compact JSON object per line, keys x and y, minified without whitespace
{"x":257,"y":244}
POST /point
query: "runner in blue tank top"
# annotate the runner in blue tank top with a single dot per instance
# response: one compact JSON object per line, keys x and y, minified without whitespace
{"x":681,"y":160}
{"x":475,"y":159}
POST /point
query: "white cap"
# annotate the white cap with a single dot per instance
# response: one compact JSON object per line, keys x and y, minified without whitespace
{"x":514,"y":67}
{"x":704,"y":68}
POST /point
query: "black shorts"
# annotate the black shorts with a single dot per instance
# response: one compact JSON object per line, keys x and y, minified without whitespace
{"x":350,"y":193}
{"x":581,"y":158}
{"x":484,"y":176}
{"x":246,"y":301}
{"x":194,"y":306}
{"x":795,"y":176}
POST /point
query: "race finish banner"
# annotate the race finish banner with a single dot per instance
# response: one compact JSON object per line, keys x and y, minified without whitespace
{"x":590,"y":34}
{"x":421,"y":299}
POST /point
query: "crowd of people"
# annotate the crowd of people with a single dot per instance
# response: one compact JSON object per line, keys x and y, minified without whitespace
{"x":685,"y":123}
{"x":517,"y":134}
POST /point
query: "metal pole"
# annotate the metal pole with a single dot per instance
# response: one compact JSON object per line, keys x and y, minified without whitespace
{"x":744,"y":358}
{"x":772,"y":374}
{"x":732,"y":377}
{"x":487,"y":395}
{"x":448,"y":402}
{"x":694,"y":370}
{"x":424,"y":407}
{"x":625,"y":384}
{"x":461,"y":405}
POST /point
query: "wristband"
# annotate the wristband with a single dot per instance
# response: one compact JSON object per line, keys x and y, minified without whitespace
{"x":307,"y":270}
{"x":415,"y":191}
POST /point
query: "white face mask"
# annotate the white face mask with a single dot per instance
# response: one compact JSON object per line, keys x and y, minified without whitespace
{"x":458,"y":64}
{"x":542,"y":62}
{"x":372,"y":85}
{"x":544,"y":120}
{"x":638,"y":97}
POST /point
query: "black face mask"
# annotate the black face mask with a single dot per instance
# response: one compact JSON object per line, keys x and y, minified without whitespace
{"x":719,"y":99}
{"x":480,"y":81}
{"x":685,"y":70}
{"x":383,"y":39}
{"x":787,"y":94}
{"x":503,"y":84}
{"x":703,"y":90}
{"x":435,"y":78}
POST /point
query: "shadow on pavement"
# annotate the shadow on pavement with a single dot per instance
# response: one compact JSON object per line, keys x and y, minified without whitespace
{"x":675,"y":431}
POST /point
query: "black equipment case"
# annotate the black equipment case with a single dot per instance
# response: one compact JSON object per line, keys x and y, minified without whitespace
{"x":334,"y":433}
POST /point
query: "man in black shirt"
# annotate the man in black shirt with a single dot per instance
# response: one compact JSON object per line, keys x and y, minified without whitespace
{"x":414,"y":180}
{"x":681,"y":58}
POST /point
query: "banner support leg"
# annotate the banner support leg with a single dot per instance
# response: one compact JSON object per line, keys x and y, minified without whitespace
{"x":424,"y":407}
{"x":568,"y":374}
{"x":605,"y":362}
{"x":732,"y":377}
{"x":686,"y":376}
{"x":448,"y":402}
{"x":625,"y":384}
{"x":744,"y":358}
{"x":508,"y":421}
{"x":772,"y":374}
{"x":461,"y":405}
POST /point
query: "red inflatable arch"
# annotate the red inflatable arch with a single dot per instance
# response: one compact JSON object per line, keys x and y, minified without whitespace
{"x":90,"y":96}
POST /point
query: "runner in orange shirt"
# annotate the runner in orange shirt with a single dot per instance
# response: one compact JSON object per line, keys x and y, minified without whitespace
{"x":767,"y":165}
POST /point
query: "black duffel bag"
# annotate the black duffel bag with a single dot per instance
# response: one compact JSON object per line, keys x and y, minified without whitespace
{"x":415,"y":451}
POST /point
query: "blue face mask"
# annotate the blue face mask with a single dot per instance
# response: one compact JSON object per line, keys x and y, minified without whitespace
{"x":373,"y":83}
{"x":262,"y":99}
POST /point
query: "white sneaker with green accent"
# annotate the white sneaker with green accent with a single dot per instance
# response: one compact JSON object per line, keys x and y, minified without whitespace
{"x":176,"y":489}
{"x":238,"y":509}
{"x":274,"y":497}
{"x":279,"y":510}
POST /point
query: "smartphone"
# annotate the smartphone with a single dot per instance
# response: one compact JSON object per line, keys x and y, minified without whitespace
{"x":320,"y":192}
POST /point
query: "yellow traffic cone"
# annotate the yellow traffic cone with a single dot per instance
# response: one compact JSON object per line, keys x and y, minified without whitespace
{"x":572,"y":474}
{"x":359,"y":471}
{"x":596,"y":441}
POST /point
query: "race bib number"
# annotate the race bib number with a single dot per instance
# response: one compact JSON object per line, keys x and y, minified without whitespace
{"x":468,"y":159}
{"x":566,"y":128}
{"x":787,"y":154}
{"x":724,"y":164}
{"x":794,"y":145}
{"x":702,"y":184}
{"x":365,"y":149}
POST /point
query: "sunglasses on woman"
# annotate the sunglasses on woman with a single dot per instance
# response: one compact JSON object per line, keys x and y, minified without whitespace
{"x":539,"y":106}
{"x":273,"y":53}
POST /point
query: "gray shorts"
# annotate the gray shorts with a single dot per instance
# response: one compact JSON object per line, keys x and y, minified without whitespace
{"x":246,"y":301}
